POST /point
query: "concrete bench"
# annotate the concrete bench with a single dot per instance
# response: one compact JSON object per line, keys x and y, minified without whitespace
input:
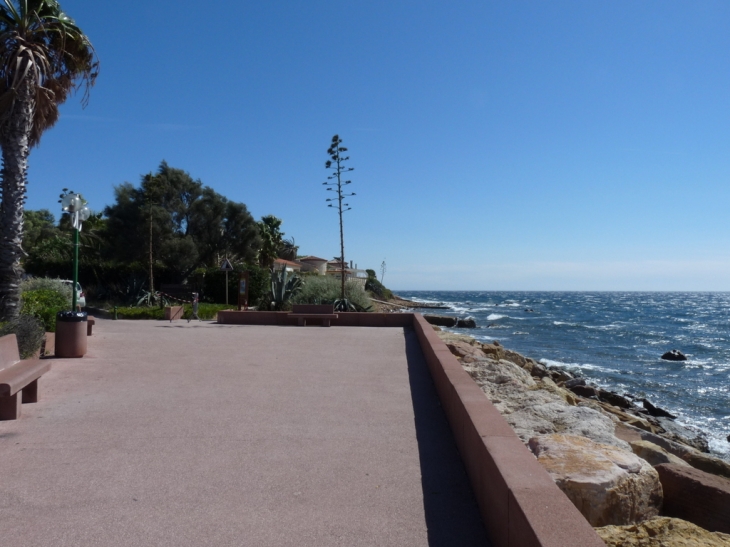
{"x":321,"y":312}
{"x":90,"y":322}
{"x":18,"y":379}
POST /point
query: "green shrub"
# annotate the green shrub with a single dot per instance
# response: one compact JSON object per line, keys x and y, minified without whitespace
{"x":46,"y":283}
{"x":44,"y":304}
{"x":205,"y":311}
{"x":29,"y":332}
{"x":326,"y":289}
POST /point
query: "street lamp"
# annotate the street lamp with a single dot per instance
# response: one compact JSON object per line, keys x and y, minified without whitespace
{"x":75,"y":205}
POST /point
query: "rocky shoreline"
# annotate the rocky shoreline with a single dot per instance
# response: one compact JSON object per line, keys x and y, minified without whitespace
{"x":637,"y":476}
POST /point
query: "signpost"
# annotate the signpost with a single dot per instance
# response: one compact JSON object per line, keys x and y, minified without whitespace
{"x":243,"y":290}
{"x":227,"y":267}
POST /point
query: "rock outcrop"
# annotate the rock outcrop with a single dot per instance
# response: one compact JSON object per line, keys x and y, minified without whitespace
{"x":655,"y":454}
{"x":696,"y":496}
{"x":599,"y":446}
{"x":661,"y":532}
{"x":606,"y":484}
{"x":674,"y":355}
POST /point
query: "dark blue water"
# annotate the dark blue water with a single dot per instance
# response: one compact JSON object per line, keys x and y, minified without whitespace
{"x":616,"y":340}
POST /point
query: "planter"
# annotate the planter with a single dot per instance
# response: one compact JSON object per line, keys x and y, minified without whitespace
{"x":70,"y":334}
{"x":173,"y":312}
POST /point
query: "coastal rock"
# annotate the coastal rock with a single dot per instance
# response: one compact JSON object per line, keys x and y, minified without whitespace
{"x":559,"y":375}
{"x":655,"y":410}
{"x":708,"y":464}
{"x":441,"y":320}
{"x":606,"y":484}
{"x":614,"y":399}
{"x":493,"y":351}
{"x":692,"y":456}
{"x":464,"y":351}
{"x":674,"y":355}
{"x":447,"y":336}
{"x":468,"y":323}
{"x":575,"y":382}
{"x":548,"y":385}
{"x":685,"y":434}
{"x":499,"y":373}
{"x":589,"y":392}
{"x":655,"y":454}
{"x":661,"y":532}
{"x":698,"y":497}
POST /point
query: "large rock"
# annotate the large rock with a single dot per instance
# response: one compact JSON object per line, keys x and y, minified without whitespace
{"x":606,"y":484}
{"x":467,"y":323}
{"x":674,"y":355}
{"x":655,"y":454}
{"x":465,"y":352}
{"x":441,"y":320}
{"x":696,"y":496}
{"x":661,"y":532}
{"x":692,"y":456}
{"x":685,"y":434}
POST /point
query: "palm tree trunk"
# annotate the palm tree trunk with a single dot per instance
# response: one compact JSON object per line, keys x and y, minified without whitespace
{"x":14,"y":140}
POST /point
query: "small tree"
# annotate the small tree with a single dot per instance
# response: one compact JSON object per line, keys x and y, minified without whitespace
{"x":336,"y":163}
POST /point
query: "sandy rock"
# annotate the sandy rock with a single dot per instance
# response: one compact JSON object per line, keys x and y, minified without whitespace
{"x":696,"y":496}
{"x":692,"y":456}
{"x":462,"y":350}
{"x":655,"y":454}
{"x":574,"y":420}
{"x":548,"y":385}
{"x":447,"y":336}
{"x":707,"y":463}
{"x":493,"y":351}
{"x":606,"y":484}
{"x":500,"y":372}
{"x":661,"y":532}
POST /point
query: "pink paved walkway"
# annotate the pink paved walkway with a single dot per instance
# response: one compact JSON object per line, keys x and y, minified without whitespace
{"x":202,"y":434}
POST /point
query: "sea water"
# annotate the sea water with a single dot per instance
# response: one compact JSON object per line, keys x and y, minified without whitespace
{"x":615,"y":340}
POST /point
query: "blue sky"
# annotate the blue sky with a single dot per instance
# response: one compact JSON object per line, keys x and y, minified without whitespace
{"x":496,"y":145}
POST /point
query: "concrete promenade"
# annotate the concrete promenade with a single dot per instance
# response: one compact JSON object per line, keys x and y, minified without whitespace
{"x":177,"y":434}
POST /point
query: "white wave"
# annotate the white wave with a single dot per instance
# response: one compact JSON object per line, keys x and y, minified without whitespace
{"x":495,"y":317}
{"x":520,"y":333}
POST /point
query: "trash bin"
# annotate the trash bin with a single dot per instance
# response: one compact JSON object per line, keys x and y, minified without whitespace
{"x":71,"y":334}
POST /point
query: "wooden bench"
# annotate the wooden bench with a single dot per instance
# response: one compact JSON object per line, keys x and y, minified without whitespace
{"x":322,"y":312}
{"x":18,"y":379}
{"x":90,"y":322}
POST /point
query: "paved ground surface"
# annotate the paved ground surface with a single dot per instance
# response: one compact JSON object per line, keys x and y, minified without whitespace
{"x":202,"y":434}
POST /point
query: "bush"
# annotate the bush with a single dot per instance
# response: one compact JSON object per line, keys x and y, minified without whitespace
{"x":205,"y":311}
{"x":325,"y":289}
{"x":44,"y":304}
{"x":29,"y":332}
{"x":45,"y":283}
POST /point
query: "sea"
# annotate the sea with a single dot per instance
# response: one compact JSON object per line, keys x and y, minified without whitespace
{"x":615,"y":340}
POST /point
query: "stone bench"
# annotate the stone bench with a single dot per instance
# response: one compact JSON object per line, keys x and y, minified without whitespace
{"x":18,"y":379}
{"x":90,"y":322}
{"x":321,"y":312}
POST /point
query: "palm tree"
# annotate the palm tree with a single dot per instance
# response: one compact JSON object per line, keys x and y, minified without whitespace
{"x":44,"y":56}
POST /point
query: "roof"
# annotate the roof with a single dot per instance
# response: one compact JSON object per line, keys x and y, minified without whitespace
{"x":312,"y":259}
{"x":288,"y":263}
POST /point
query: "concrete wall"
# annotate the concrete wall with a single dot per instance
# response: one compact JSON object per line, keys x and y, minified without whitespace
{"x":520,"y":504}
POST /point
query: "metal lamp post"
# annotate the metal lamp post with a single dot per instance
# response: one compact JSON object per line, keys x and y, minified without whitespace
{"x":73,"y":204}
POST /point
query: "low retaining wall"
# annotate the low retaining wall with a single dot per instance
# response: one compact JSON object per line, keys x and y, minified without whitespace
{"x":519,"y":502}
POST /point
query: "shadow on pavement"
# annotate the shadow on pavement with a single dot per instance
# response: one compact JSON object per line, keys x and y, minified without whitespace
{"x":452,"y":514}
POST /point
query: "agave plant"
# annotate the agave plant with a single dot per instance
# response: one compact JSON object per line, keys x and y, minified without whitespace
{"x":283,"y":287}
{"x":343,"y":304}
